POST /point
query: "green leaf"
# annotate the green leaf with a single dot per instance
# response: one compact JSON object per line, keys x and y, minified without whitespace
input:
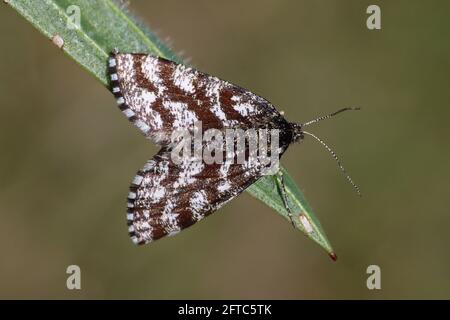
{"x":266,"y":189}
{"x":104,"y":26}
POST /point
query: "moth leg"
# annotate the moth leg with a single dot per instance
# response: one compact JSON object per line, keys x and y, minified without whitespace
{"x":282,"y":189}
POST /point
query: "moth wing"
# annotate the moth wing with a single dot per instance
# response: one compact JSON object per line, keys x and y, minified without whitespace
{"x":160,"y":96}
{"x":166,"y":198}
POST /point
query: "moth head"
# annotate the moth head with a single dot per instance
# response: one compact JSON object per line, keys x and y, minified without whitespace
{"x":297,"y":132}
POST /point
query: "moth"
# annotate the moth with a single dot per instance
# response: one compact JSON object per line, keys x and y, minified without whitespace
{"x":159,"y":97}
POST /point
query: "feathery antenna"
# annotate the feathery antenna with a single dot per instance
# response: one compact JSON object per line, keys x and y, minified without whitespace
{"x":333,"y":154}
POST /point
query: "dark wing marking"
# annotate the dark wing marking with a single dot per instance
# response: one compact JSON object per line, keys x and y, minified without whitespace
{"x":160,"y":96}
{"x":165,"y":198}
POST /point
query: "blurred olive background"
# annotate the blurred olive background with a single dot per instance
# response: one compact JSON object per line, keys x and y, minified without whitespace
{"x":68,"y":156}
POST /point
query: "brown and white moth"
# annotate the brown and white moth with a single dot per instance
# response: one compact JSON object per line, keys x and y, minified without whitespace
{"x":159,"y":97}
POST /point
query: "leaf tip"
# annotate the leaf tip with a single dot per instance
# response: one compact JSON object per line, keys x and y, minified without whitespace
{"x":333,"y":256}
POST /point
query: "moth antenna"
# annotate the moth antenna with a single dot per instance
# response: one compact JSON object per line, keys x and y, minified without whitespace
{"x":333,"y":154}
{"x":328,"y":116}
